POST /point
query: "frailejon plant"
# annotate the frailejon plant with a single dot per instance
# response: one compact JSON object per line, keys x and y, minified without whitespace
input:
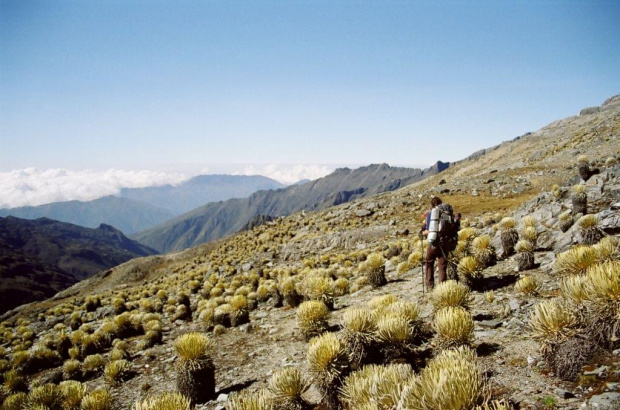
{"x":328,"y":365}
{"x":358,"y":334}
{"x":470,"y":271}
{"x":375,"y":270}
{"x":396,"y":335}
{"x":603,"y":292}
{"x":454,"y":327}
{"x":525,"y":255}
{"x":527,"y":285}
{"x":608,"y":249}
{"x":452,"y":380}
{"x":312,"y":317}
{"x":575,"y":261}
{"x":552,"y":323}
{"x":375,"y":386}
{"x":287,"y":387}
{"x":164,"y":401}
{"x":589,"y":230}
{"x":245,"y":400}
{"x":565,"y":221}
{"x":97,"y":400}
{"x":509,"y":235}
{"x":482,"y":250}
{"x":579,"y":200}
{"x":451,"y":293}
{"x":194,"y":367}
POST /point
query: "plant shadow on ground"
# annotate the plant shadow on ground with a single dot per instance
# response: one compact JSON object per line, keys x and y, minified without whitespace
{"x":487,"y":349}
{"x":494,"y":282}
{"x":236,"y":387}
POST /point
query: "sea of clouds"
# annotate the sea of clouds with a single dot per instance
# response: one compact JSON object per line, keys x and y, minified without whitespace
{"x":287,"y":174}
{"x":32,"y":186}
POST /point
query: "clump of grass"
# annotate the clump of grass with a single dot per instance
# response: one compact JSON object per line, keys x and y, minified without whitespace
{"x":99,"y":399}
{"x":608,"y":249}
{"x":527,"y":285}
{"x":452,"y":380}
{"x":328,"y":365}
{"x":72,"y":392}
{"x":15,"y":401}
{"x":165,"y":401}
{"x":603,"y":291}
{"x":374,"y":267}
{"x":358,"y":334}
{"x":45,"y":396}
{"x":117,"y":371}
{"x":565,"y":221}
{"x":72,"y":370}
{"x":312,"y":317}
{"x":287,"y":387}
{"x":509,"y":235}
{"x":375,"y":386}
{"x":450,"y":293}
{"x":454,"y":326}
{"x":579,"y":200}
{"x":483,"y":251}
{"x":589,"y":230}
{"x":470,"y":271}
{"x":525,"y":255}
{"x":575,"y":261}
{"x":194,"y":367}
{"x":551,"y":323}
{"x":245,"y":400}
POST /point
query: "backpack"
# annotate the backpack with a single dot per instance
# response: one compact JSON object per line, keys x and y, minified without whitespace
{"x":447,"y":232}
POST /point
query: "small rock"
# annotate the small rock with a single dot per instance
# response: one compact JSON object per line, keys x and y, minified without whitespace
{"x":610,"y":400}
{"x":612,"y":386}
{"x":222,"y":398}
{"x":616,"y":352}
{"x":530,"y":360}
{"x":363,"y":212}
{"x":493,"y":324}
{"x":615,"y":206}
{"x":598,"y":372}
{"x":564,"y":394}
{"x":514,"y":304}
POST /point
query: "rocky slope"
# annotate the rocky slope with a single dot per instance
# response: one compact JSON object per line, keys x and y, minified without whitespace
{"x":514,"y":179}
{"x":216,"y":220}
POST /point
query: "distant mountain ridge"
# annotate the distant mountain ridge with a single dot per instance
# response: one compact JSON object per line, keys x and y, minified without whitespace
{"x":216,"y":220}
{"x":138,"y":209}
{"x":199,"y":191}
{"x":125,"y":214}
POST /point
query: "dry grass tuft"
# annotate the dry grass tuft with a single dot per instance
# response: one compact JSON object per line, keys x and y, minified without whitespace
{"x":450,"y":293}
{"x":454,"y":326}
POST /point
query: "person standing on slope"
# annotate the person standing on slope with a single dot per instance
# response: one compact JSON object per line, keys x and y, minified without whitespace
{"x":441,"y":230}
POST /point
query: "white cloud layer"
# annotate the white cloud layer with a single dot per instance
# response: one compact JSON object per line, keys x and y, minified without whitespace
{"x":31,"y":186}
{"x":287,"y":174}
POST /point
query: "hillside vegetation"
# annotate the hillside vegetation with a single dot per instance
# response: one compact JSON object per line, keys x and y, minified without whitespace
{"x":326,"y":309}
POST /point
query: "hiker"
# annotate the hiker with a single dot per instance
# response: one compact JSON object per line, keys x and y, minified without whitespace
{"x":441,"y":230}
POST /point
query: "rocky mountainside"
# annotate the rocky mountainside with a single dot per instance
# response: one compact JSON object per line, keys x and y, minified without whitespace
{"x":216,"y":220}
{"x":125,"y":214}
{"x":25,"y":278}
{"x":200,"y":190}
{"x":533,"y":330}
{"x":41,"y":257}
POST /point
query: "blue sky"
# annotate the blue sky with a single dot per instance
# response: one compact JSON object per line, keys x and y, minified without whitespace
{"x":183,"y":86}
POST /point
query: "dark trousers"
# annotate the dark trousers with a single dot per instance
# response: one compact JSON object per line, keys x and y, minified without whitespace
{"x":433,"y":253}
